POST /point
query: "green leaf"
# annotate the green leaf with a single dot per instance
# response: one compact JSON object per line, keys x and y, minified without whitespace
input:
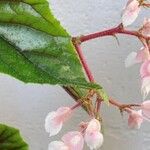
{"x":10,"y":139}
{"x":104,"y":96}
{"x":35,"y":48}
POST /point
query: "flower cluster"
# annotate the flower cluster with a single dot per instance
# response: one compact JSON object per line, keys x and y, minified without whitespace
{"x":129,"y":15}
{"x":74,"y":140}
{"x":142,"y":56}
{"x":90,"y":132}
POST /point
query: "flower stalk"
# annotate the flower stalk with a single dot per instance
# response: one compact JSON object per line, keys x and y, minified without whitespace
{"x":111,"y":32}
{"x":83,"y":60}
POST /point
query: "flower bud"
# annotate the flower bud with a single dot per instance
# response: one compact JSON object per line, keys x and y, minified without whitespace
{"x":135,"y":119}
{"x":93,"y":137}
{"x":54,"y":120}
{"x":145,"y":106}
{"x":130,"y":12}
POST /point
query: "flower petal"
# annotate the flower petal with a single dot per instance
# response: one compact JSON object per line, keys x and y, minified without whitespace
{"x":52,"y":126}
{"x":145,"y":86}
{"x":74,"y":140}
{"x":145,"y":69}
{"x":135,"y":119}
{"x":146,"y":108}
{"x":130,"y":13}
{"x":57,"y":145}
{"x":145,"y":30}
{"x":64,"y":113}
{"x":145,"y":75}
{"x":93,"y":125}
{"x":143,"y":55}
{"x":94,"y":139}
{"x":131,"y":59}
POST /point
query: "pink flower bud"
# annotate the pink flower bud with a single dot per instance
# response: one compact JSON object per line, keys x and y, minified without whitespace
{"x":71,"y":141}
{"x":145,"y":86}
{"x":131,"y":12}
{"x":93,"y":125}
{"x":54,"y":120}
{"x":93,"y":137}
{"x":145,"y":30}
{"x":146,"y":108}
{"x":143,"y":54}
{"x":135,"y":119}
{"x":74,"y":140}
{"x":140,"y":56}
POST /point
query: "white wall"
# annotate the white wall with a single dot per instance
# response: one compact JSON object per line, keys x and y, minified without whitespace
{"x":25,"y":106}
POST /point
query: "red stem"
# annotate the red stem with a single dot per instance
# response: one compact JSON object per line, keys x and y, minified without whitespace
{"x":98,"y":105}
{"x":115,"y":103}
{"x":119,"y":105}
{"x":87,"y":70}
{"x":84,"y":63}
{"x":99,"y":34}
{"x":110,"y":32}
{"x":146,"y":4}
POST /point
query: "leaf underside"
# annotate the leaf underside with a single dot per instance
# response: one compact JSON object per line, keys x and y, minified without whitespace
{"x":35,"y":48}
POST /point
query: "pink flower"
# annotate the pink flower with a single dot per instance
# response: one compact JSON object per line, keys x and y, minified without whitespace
{"x":135,"y":119}
{"x":70,"y":141}
{"x":130,"y":12}
{"x":140,"y":56}
{"x":93,"y":137}
{"x":54,"y":120}
{"x":145,"y":75}
{"x":74,"y":140}
{"x":145,"y":106}
{"x":145,"y":30}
